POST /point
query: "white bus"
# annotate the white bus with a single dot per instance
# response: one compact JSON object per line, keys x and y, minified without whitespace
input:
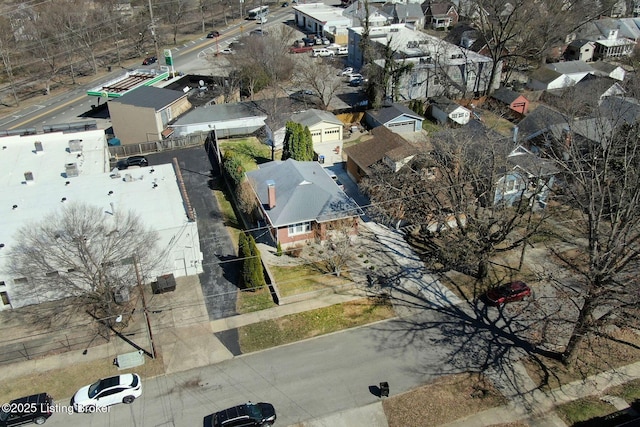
{"x":258,"y":12}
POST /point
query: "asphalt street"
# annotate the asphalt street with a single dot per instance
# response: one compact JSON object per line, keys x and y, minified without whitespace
{"x":304,"y":380}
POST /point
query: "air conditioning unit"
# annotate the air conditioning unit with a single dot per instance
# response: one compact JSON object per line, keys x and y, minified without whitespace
{"x":75,"y":145}
{"x":71,"y":169}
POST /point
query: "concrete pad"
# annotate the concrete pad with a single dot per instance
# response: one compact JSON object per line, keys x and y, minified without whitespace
{"x":370,"y":416}
{"x":191,"y":347}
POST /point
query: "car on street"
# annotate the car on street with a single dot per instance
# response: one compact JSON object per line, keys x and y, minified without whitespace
{"x":322,"y":52}
{"x":149,"y":60}
{"x":353,"y":76}
{"x":345,"y":71}
{"x":36,"y":409}
{"x":358,"y":81}
{"x":259,"y":32}
{"x":248,"y":414}
{"x":514,"y":291}
{"x":132,"y":161}
{"x":105,"y":392}
{"x":213,"y":34}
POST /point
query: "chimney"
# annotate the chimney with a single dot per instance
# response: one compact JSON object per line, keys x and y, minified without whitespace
{"x":271,"y":194}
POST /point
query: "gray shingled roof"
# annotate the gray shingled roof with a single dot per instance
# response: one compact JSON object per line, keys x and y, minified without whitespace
{"x":540,"y":120}
{"x":505,"y":95}
{"x":570,"y":67}
{"x":304,"y":192}
{"x":545,"y":75}
{"x":386,"y":114}
{"x":444,"y":104}
{"x":401,"y":10}
{"x":313,"y":117}
{"x":150,"y":97}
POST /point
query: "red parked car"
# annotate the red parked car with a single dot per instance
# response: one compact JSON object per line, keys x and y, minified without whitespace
{"x":514,"y":291}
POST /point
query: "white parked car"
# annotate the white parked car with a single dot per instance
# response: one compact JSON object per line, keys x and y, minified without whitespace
{"x":123,"y":388}
{"x":345,"y":71}
{"x":353,"y":76}
{"x":322,"y":52}
{"x":227,"y":51}
{"x":343,"y":50}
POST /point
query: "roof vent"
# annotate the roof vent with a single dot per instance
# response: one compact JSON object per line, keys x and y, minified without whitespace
{"x":75,"y":145}
{"x":38,"y":146}
{"x":28,"y":177}
{"x":71,"y":169}
{"x":128,"y":178}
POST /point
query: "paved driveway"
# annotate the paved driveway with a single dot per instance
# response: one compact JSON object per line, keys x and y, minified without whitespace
{"x":220,"y":270}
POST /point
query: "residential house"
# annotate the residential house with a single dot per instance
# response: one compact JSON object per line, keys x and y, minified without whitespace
{"x":580,"y":50}
{"x":404,"y":13}
{"x":545,"y":79}
{"x":326,"y":134}
{"x":439,"y":14}
{"x":606,"y":69}
{"x":537,"y":122}
{"x":438,"y":67}
{"x":575,"y":70}
{"x":396,"y":117}
{"x":585,"y":97}
{"x":514,"y":103}
{"x":621,"y":109}
{"x":300,"y":202}
{"x":385,"y":147}
{"x":613,"y":48}
{"x":142,"y":115}
{"x":357,"y":13}
{"x":530,"y":176}
{"x":445,"y":111}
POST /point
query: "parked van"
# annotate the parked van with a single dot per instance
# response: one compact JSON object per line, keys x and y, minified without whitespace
{"x":322,"y":52}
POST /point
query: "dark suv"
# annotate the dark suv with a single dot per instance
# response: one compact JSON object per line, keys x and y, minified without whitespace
{"x":31,"y":409}
{"x":132,"y":161}
{"x":245,"y":415}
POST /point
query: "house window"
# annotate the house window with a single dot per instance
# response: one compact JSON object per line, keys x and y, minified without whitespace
{"x":5,"y":298}
{"x":299,"y":228}
{"x":510,"y":186}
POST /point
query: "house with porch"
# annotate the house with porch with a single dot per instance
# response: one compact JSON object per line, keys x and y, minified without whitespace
{"x":300,"y":202}
{"x":439,"y":15}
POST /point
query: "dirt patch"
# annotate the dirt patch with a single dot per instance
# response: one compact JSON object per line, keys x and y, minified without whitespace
{"x":442,"y":401}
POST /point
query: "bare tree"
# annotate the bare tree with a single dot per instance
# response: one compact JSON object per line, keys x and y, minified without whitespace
{"x":340,"y":246}
{"x":173,"y":12}
{"x":320,"y":76}
{"x":8,"y":50}
{"x":83,"y":252}
{"x":600,"y":159}
{"x":449,"y":193}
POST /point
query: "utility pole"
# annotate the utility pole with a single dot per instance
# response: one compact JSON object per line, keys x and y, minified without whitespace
{"x":144,"y":306}
{"x":152,"y":27}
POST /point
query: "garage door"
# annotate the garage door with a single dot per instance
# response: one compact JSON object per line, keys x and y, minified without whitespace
{"x":400,"y":127}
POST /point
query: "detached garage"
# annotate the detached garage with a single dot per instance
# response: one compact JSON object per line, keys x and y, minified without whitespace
{"x":395,"y":117}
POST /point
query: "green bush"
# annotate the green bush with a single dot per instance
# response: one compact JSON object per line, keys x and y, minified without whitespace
{"x":278,"y":249}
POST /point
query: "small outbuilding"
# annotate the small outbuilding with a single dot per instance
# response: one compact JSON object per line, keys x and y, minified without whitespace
{"x":446,"y":111}
{"x":396,"y":117}
{"x":511,"y":101}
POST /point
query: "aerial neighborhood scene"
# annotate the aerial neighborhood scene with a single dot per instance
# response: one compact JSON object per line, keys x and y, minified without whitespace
{"x":376,"y":213}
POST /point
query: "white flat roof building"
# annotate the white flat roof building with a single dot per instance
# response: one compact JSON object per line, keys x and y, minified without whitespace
{"x":39,"y":178}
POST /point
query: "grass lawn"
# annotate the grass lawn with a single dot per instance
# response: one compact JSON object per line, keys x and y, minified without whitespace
{"x":305,"y":278}
{"x":499,"y":124}
{"x":251,"y":151}
{"x":62,"y":383}
{"x":582,"y":410}
{"x":254,"y":301}
{"x":442,"y":401}
{"x":430,"y":126}
{"x":299,"y":326}
{"x":629,"y":391}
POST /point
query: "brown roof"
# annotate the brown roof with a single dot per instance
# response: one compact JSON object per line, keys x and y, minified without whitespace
{"x":438,"y":9}
{"x":384,"y":143}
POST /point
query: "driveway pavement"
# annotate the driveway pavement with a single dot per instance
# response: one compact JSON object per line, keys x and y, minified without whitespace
{"x":220,"y":270}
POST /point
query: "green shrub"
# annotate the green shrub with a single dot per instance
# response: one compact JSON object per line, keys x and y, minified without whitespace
{"x":278,"y":249}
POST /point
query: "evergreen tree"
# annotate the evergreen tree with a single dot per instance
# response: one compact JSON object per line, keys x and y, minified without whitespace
{"x":298,"y":144}
{"x":256,"y":279}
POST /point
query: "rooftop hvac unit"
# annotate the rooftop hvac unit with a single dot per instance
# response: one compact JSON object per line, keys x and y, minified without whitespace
{"x":38,"y":146}
{"x":71,"y":169}
{"x":75,"y":145}
{"x":28,"y":177}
